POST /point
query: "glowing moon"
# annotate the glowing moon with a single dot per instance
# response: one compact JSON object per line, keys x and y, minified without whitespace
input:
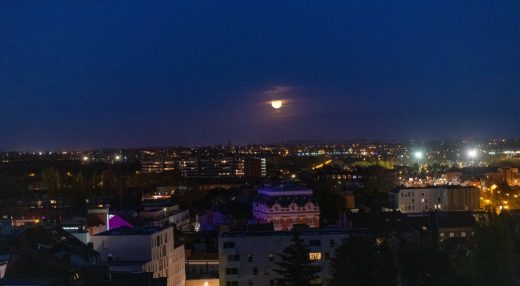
{"x":276,"y":104}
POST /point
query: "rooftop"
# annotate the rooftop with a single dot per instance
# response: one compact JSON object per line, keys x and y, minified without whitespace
{"x":146,"y":230}
{"x":314,"y":231}
{"x":285,"y":190}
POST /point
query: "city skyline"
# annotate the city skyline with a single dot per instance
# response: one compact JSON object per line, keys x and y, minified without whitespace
{"x":80,"y":76}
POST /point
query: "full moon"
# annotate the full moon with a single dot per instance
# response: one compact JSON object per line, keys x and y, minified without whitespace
{"x":276,"y":104}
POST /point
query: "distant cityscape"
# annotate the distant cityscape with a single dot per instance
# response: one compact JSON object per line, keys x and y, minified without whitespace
{"x":241,"y":215}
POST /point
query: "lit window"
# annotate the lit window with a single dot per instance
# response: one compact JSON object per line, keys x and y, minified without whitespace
{"x":315,"y":256}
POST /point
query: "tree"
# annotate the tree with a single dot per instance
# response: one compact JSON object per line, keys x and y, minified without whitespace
{"x":52,"y":181}
{"x":493,"y":258}
{"x":78,"y":191}
{"x":295,"y":267}
{"x":360,"y":261}
{"x":110,"y":182}
{"x":11,"y":188}
{"x":331,"y":204}
{"x":426,"y":266}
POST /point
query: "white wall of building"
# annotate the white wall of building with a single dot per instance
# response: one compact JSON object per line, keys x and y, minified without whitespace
{"x":156,"y":250}
{"x":258,"y":253}
{"x":422,"y":200}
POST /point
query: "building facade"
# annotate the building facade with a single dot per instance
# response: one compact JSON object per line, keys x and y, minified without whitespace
{"x":249,"y":258}
{"x":223,"y":167}
{"x":449,"y":198}
{"x":145,"y":249}
{"x":157,"y":166}
{"x":286,"y":205}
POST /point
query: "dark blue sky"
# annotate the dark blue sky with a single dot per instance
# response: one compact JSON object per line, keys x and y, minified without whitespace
{"x":86,"y":74}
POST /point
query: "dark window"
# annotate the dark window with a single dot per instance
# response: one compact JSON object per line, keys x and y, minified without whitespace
{"x":255,"y":270}
{"x":271,"y":282}
{"x":315,"y":242}
{"x":229,"y":245}
{"x":332,"y":243}
{"x":231,"y":270}
{"x":250,"y":258}
{"x":271,"y":257}
{"x":232,"y":283}
{"x":327,"y":256}
{"x":235,"y":257}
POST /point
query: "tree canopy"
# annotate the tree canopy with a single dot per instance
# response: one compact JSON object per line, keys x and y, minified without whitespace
{"x":296,"y":267}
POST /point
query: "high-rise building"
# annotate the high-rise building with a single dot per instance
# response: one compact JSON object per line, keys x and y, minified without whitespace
{"x":255,"y":167}
{"x":189,"y":167}
{"x":225,"y":167}
{"x":157,"y":166}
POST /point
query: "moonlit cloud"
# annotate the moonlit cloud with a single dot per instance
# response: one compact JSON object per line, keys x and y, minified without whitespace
{"x":278,"y":91}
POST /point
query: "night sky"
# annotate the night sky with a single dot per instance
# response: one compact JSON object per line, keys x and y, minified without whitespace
{"x":91,"y":74}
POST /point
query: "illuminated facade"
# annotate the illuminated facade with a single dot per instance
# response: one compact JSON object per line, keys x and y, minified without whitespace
{"x":157,"y":166}
{"x":286,"y":205}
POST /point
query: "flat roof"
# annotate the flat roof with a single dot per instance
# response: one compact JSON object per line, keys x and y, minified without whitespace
{"x":285,"y":189}
{"x":312,"y":231}
{"x":125,"y":230}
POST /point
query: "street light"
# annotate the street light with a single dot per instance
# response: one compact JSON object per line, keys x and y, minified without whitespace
{"x":418,"y":155}
{"x":472,"y":153}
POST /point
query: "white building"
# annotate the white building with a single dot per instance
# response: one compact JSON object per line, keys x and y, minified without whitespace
{"x":248,"y":258}
{"x":147,"y":249}
{"x":167,"y":216}
{"x":416,"y":200}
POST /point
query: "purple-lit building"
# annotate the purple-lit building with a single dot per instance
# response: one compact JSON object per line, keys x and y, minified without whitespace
{"x":286,"y":205}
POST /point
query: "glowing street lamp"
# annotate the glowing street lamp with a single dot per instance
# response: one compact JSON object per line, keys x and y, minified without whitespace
{"x":472,"y":154}
{"x":418,"y":155}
